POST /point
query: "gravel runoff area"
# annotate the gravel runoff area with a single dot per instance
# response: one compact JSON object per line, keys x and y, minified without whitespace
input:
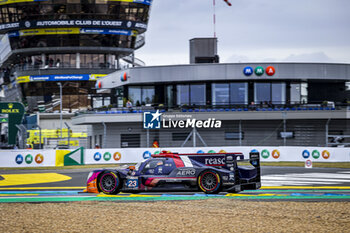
{"x":213,"y":215}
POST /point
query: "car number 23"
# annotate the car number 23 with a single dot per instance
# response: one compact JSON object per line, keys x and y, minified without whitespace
{"x":132,"y":183}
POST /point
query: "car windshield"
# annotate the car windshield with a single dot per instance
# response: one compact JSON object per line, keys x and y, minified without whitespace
{"x":153,"y":164}
{"x":137,"y":166}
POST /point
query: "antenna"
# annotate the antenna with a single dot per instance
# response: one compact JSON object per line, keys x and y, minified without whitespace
{"x":214,"y":15}
{"x":214,"y":19}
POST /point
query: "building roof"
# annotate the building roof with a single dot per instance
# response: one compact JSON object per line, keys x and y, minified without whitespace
{"x":226,"y":72}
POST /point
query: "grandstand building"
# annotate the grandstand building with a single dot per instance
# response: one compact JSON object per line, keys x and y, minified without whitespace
{"x":72,"y":42}
{"x":261,"y":104}
{"x":85,"y":49}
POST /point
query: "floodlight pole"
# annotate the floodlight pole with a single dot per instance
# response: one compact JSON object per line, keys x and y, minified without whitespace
{"x":104,"y":135}
{"x":68,"y":134}
{"x":327,"y":130}
{"x":284,"y":128}
{"x":147,"y":131}
{"x":240,"y":132}
{"x":39,"y":136}
{"x":60,"y":85}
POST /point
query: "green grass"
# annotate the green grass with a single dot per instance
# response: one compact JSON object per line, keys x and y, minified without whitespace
{"x":277,"y":164}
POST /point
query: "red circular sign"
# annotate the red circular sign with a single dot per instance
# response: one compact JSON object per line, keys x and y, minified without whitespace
{"x":326,"y":154}
{"x":308,"y":163}
{"x":275,"y":154}
{"x":117,"y":156}
{"x":39,"y":158}
{"x":270,"y":70}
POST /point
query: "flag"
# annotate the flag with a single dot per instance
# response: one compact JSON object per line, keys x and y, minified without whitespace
{"x":228,"y":3}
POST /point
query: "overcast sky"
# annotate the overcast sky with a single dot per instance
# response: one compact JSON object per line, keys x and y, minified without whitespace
{"x":250,"y":30}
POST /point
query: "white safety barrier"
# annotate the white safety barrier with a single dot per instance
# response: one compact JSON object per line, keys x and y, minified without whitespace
{"x":268,"y":154}
{"x":27,"y":158}
{"x":43,"y":158}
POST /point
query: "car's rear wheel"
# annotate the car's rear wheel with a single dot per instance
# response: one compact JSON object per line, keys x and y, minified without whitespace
{"x":209,"y":182}
{"x":109,"y":182}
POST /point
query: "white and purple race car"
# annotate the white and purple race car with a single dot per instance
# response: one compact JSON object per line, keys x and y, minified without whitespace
{"x":210,"y":173}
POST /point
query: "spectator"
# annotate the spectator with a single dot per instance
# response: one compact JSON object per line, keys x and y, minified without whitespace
{"x":51,"y":62}
{"x":58,"y":61}
{"x":155,"y":144}
{"x":252,"y":106}
{"x":129,"y":105}
{"x":97,"y":146}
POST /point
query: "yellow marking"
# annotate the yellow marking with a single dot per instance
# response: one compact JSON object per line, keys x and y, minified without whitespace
{"x":239,"y":195}
{"x":106,"y":195}
{"x":5,"y":2}
{"x":305,"y":187}
{"x":41,"y":188}
{"x":32,"y":178}
{"x":60,"y":157}
{"x":131,"y":195}
{"x":138,"y":195}
{"x":9,"y":195}
{"x":94,"y":77}
{"x":271,"y":194}
{"x":23,"y":79}
{"x":249,"y":195}
{"x":120,"y":0}
{"x":48,"y":31}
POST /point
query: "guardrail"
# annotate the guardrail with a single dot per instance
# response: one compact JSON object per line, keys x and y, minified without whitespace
{"x":81,"y":156}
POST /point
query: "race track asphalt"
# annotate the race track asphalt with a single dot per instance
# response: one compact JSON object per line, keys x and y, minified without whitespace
{"x":279,"y":183}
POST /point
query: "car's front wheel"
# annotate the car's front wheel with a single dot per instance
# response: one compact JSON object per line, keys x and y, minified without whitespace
{"x":109,"y":182}
{"x":209,"y":182}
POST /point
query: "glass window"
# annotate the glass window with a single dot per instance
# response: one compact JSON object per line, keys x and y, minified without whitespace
{"x":97,"y":102}
{"x":270,"y":92}
{"x":197,"y":94}
{"x":74,"y":9}
{"x":148,"y":95}
{"x":295,"y":93}
{"x":278,"y":93}
{"x":234,"y":135}
{"x":183,"y":94}
{"x":61,"y":40}
{"x":130,"y":140}
{"x":69,"y":60}
{"x":304,"y":93}
{"x":239,"y":93}
{"x":262,"y":92}
{"x":180,"y":136}
{"x":135,"y":95}
{"x":170,"y":96}
{"x":220,"y":94}
{"x":107,"y":101}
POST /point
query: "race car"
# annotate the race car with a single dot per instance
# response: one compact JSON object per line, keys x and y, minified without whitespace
{"x":210,"y":173}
